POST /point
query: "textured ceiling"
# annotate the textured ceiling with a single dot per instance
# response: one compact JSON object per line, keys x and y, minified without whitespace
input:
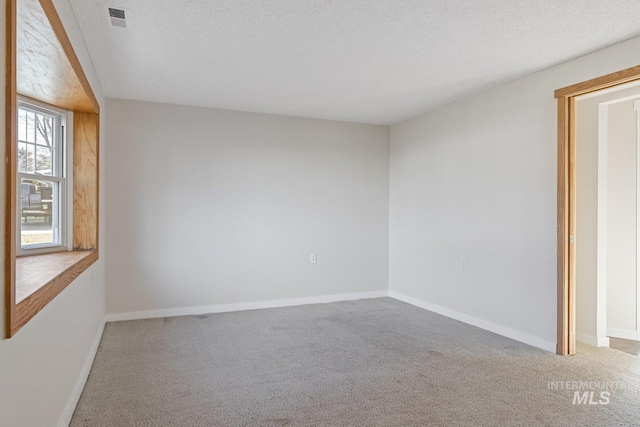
{"x":370,"y":61}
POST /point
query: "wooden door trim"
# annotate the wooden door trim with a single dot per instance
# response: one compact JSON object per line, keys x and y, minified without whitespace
{"x":566,"y":339}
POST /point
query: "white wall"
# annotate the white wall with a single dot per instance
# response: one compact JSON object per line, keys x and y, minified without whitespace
{"x":621,"y":216}
{"x":587,"y":220}
{"x":477,"y":179}
{"x":40,"y":367}
{"x":209,"y":207}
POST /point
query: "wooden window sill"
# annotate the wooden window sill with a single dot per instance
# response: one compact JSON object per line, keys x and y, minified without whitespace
{"x":39,"y":278}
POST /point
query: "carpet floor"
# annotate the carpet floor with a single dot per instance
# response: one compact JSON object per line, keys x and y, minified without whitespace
{"x":377,"y":362}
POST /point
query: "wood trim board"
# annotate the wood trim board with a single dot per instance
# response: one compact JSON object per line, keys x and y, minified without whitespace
{"x":31,"y":305}
{"x":563,"y":228}
{"x":85,"y":181}
{"x":10,"y":152}
{"x":614,"y":79}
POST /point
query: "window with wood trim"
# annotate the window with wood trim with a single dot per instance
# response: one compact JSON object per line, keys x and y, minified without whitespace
{"x":52,"y":173}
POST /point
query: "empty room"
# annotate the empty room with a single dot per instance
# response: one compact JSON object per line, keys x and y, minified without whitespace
{"x":320,"y":213}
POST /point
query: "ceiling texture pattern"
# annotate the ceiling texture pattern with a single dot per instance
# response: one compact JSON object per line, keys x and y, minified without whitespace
{"x":368,"y":61}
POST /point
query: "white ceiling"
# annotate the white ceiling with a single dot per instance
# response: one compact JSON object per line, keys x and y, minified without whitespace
{"x":370,"y":61}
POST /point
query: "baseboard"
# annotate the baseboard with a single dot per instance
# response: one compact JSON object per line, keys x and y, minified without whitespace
{"x":592,"y":340}
{"x":225,"y":308}
{"x":474,"y":321}
{"x":627,"y":334}
{"x":82,"y":379}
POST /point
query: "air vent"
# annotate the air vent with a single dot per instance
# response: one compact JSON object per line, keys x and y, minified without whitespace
{"x":116,"y":13}
{"x":117,"y":17}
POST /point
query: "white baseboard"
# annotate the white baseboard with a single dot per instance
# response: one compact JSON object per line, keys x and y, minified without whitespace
{"x":483,"y":324}
{"x":627,"y":334}
{"x":82,"y":379}
{"x":225,"y":308}
{"x":592,"y":340}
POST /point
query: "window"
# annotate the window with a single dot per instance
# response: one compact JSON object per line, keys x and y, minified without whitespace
{"x":50,"y":191}
{"x":43,"y":186}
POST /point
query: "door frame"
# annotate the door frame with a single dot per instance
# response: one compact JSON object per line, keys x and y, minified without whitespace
{"x":566,"y":98}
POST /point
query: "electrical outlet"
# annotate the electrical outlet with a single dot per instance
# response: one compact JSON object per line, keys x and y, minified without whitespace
{"x":313,"y":258}
{"x":463,"y":263}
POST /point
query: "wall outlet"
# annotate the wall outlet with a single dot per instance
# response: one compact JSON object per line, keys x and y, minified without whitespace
{"x":463,"y":263}
{"x":313,"y":258}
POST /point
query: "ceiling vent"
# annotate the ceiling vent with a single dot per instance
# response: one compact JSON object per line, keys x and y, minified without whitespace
{"x":118,"y":18}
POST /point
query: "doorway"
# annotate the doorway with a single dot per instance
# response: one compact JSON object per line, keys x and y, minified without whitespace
{"x":566,"y":97}
{"x":606,"y":243}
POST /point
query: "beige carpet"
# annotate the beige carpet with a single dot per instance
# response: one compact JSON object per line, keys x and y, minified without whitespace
{"x":362,"y":363}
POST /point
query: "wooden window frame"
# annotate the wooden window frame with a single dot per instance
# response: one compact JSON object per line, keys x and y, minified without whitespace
{"x":71,"y":91}
{"x":566,"y":97}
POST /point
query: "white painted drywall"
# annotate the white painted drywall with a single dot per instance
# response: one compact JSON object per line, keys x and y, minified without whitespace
{"x":621,"y":215}
{"x":210,"y":207}
{"x":477,"y":179}
{"x":40,"y":367}
{"x":586,"y":238}
{"x":586,"y":220}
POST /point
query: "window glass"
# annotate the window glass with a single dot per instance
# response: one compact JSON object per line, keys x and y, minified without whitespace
{"x":39,"y":202}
